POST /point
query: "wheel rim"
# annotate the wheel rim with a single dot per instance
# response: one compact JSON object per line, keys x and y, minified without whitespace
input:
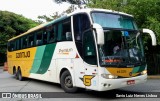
{"x":68,"y":82}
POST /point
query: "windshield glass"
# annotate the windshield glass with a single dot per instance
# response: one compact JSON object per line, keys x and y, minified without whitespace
{"x":121,"y":48}
{"x":123,"y":45}
{"x":108,"y":20}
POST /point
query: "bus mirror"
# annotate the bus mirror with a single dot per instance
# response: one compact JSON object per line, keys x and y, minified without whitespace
{"x":151,"y":33}
{"x":100,"y":33}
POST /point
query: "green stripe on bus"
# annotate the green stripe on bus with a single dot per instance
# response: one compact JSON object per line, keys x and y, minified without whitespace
{"x":38,"y":59}
{"x":138,"y":69}
{"x":142,"y":68}
{"x":47,"y":57}
{"x":135,"y":69}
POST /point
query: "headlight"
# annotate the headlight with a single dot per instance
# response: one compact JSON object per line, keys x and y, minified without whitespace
{"x":108,"y":76}
{"x":144,"y":72}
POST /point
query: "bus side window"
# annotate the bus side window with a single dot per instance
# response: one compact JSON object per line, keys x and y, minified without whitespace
{"x":66,"y":34}
{"x":52,"y":34}
{"x":18,"y":44}
{"x":31,"y":40}
{"x":63,"y":28}
{"x":24,"y":42}
{"x":81,"y":22}
{"x":9,"y":46}
{"x":59,"y":37}
{"x":12,"y":46}
{"x":39,"y":38}
{"x":45,"y":34}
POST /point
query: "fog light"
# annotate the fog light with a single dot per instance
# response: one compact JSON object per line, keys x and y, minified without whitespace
{"x":108,"y":76}
{"x":144,"y":72}
{"x":107,"y":85}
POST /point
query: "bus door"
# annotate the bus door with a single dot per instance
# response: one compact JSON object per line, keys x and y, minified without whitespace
{"x":79,"y":72}
{"x":90,"y":78}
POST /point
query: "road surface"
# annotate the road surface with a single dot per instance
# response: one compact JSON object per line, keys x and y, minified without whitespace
{"x":50,"y":91}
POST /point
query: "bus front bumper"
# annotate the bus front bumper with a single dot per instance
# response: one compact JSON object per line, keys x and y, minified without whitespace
{"x":108,"y":84}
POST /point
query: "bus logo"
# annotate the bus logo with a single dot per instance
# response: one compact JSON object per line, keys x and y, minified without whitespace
{"x":87,"y":79}
{"x":65,"y":51}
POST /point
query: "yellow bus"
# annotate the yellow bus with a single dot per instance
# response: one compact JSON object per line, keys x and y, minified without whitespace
{"x":93,"y":49}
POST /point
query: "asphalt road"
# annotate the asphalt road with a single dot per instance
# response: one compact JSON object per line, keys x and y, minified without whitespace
{"x":53,"y":92}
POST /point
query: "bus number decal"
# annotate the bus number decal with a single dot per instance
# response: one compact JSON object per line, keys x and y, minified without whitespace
{"x":121,"y":71}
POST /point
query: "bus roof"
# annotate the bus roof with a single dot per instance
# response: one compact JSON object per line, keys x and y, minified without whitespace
{"x":87,"y":10}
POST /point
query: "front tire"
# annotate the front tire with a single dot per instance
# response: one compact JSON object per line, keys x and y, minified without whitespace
{"x":67,"y":83}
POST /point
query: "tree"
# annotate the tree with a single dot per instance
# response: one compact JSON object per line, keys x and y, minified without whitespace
{"x":11,"y":25}
{"x":77,"y":2}
{"x":145,"y":12}
{"x":71,"y":8}
{"x":50,"y":18}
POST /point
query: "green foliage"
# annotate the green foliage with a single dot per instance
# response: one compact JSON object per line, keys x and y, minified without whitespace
{"x":11,"y":25}
{"x":56,"y":14}
{"x":146,"y":12}
{"x":105,"y":4}
{"x":52,"y":17}
{"x":77,"y":2}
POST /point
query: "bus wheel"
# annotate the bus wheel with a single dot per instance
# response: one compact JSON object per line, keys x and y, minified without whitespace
{"x":15,"y":73}
{"x":19,"y":75}
{"x":66,"y":82}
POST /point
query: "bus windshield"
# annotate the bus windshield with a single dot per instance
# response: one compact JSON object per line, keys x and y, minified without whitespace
{"x":123,"y":44}
{"x":109,"y":20}
{"x":122,"y":48}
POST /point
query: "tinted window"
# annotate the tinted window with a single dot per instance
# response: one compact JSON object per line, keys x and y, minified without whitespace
{"x":64,"y":29}
{"x":51,"y":30}
{"x":24,"y":42}
{"x":17,"y":44}
{"x":45,"y":34}
{"x":12,"y":46}
{"x":113,"y":20}
{"x":81,"y":23}
{"x":31,"y":41}
{"x":89,"y":54}
{"x":39,"y":40}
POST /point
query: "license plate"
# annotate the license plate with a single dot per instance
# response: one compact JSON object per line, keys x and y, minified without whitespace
{"x":130,"y":82}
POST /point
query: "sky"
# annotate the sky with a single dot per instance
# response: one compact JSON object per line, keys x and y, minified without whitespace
{"x":32,"y":8}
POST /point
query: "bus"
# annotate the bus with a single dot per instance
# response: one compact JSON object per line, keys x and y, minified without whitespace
{"x":94,"y":49}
